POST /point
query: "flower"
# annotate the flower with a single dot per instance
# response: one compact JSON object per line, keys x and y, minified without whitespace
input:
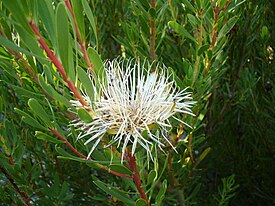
{"x":133,"y":99}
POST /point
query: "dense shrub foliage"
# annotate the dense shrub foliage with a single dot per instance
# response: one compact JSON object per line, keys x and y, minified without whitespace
{"x":222,"y":50}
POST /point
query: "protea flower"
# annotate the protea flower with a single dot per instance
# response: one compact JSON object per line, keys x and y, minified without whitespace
{"x":130,"y":103}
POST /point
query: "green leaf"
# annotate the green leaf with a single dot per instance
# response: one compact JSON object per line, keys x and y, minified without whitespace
{"x":68,"y":156}
{"x":51,"y":91}
{"x":188,"y":5}
{"x":98,"y":66}
{"x":1,"y":104}
{"x":17,"y":11}
{"x":78,"y":12}
{"x":39,"y":111}
{"x":46,"y":14}
{"x":161,"y":193}
{"x":193,"y":20}
{"x":8,"y":44}
{"x":27,"y":93}
{"x":96,"y":61}
{"x":151,"y":177}
{"x":152,"y":12}
{"x":84,"y":115}
{"x":29,"y":120}
{"x":90,"y":16}
{"x":203,"y":155}
{"x":227,"y":27}
{"x":180,"y":30}
{"x":122,"y":196}
{"x":86,"y":82}
{"x":120,"y":169}
{"x":203,"y":48}
{"x":45,"y":137}
{"x":141,"y":202}
{"x":63,"y":40}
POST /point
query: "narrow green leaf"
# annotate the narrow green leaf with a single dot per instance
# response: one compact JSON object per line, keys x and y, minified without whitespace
{"x":151,"y":177}
{"x":39,"y":111}
{"x":84,"y":115}
{"x":203,"y":48}
{"x":29,"y":41}
{"x":227,"y":27}
{"x":46,"y":14}
{"x":122,"y":196}
{"x":90,"y":16}
{"x":62,"y":28}
{"x":120,"y":169}
{"x":1,"y":104}
{"x":96,"y":61}
{"x":29,"y":120}
{"x":98,"y":66}
{"x":188,"y":5}
{"x":193,"y":20}
{"x":52,"y":92}
{"x":161,"y":193}
{"x":86,"y":82}
{"x":78,"y":12}
{"x":48,"y":138}
{"x":152,"y":12}
{"x":180,"y":30}
{"x":68,"y":156}
{"x":8,"y":44}
{"x":27,"y":93}
{"x":17,"y":11}
{"x":203,"y":155}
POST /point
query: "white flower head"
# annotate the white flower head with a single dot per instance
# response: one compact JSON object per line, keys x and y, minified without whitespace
{"x":132,"y":100}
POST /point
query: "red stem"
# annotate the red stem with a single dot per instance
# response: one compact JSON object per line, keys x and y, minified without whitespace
{"x":24,"y":197}
{"x":84,"y":157}
{"x":57,"y":63}
{"x":136,"y":177}
{"x":82,"y":44}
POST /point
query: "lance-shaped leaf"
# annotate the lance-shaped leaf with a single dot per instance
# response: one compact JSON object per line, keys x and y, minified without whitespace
{"x":39,"y":111}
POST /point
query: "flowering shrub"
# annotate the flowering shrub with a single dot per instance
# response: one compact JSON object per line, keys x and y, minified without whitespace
{"x":148,"y":126}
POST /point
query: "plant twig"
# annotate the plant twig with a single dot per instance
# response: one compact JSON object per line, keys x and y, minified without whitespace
{"x":81,"y":42}
{"x":23,"y":195}
{"x":57,"y":63}
{"x":136,"y":177}
{"x":84,"y":157}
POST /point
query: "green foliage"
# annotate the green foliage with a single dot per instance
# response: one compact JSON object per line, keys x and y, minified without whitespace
{"x":222,"y":50}
{"x":226,"y":191}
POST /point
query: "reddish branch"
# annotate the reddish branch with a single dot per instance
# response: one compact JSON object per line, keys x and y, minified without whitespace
{"x":23,"y":195}
{"x":136,"y":177}
{"x":83,"y":156}
{"x":152,"y":33}
{"x":57,"y":63}
{"x":82,"y":44}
